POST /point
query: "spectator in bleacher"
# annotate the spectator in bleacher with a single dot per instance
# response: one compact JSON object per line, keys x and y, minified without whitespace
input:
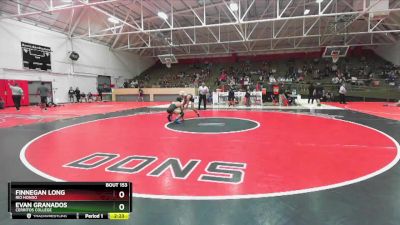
{"x":335,"y":80}
{"x":203,"y":91}
{"x":258,"y":86}
{"x":126,"y":84}
{"x":347,"y":75}
{"x":368,"y":81}
{"x":339,"y":74}
{"x":231,"y":81}
{"x":301,"y":77}
{"x":327,"y":70}
{"x":334,"y":68}
{"x":246,"y":81}
{"x":196,"y":81}
{"x":316,"y":74}
{"x":391,"y":77}
{"x":223,"y":77}
{"x":272,"y":79}
{"x":342,"y":94}
{"x":134,"y":84}
{"x":217,"y":82}
{"x":241,"y":81}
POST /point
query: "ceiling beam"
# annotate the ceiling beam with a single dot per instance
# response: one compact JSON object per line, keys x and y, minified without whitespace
{"x":246,"y":22}
{"x":76,"y":23}
{"x":267,"y":39}
{"x":120,"y":30}
{"x":269,"y":50}
{"x":56,"y":9}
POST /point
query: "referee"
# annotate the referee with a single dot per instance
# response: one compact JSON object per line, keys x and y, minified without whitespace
{"x":203,"y":91}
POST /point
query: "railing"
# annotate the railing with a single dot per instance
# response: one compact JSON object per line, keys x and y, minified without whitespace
{"x":359,"y":92}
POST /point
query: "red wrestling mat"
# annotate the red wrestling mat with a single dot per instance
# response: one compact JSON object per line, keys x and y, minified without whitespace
{"x":373,"y":108}
{"x":285,"y":154}
{"x":10,"y":117}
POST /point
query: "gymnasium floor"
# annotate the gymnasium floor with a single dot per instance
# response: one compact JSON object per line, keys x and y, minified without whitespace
{"x":286,"y":166}
{"x":381,"y":109}
{"x":9,"y":117}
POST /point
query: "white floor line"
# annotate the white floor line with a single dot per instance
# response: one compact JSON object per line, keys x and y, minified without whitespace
{"x":160,"y":106}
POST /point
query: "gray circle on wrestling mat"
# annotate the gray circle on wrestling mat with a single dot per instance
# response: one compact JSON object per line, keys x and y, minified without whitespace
{"x":213,"y":125}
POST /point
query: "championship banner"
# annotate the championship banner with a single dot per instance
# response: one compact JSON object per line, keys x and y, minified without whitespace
{"x":36,"y":56}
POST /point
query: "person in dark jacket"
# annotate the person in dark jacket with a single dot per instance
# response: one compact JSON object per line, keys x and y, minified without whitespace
{"x":43,"y":92}
{"x":319,"y":92}
{"x":77,"y":94}
{"x":231,"y":97}
{"x":71,"y":93}
{"x":247,"y":98}
{"x":311,"y":93}
{"x":100,"y":90}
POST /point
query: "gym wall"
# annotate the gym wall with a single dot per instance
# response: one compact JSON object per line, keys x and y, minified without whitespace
{"x":389,"y":52}
{"x":95,"y":59}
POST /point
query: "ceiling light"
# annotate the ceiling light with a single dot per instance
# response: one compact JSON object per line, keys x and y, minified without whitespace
{"x":162,"y":15}
{"x":67,"y":1}
{"x":113,"y":20}
{"x":319,"y":1}
{"x":306,"y":12}
{"x":234,"y":6}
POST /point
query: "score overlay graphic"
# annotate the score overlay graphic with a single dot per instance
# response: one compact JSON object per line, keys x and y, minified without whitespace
{"x":69,"y":200}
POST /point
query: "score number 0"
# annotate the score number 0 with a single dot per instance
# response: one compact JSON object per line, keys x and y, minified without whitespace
{"x":121,"y":206}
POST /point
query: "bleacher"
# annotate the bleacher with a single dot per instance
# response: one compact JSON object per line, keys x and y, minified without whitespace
{"x":367,"y":75}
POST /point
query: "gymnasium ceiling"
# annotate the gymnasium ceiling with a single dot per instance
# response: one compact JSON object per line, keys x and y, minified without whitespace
{"x":213,"y":27}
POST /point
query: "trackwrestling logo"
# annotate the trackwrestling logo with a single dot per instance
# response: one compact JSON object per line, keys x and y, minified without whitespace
{"x":216,"y":171}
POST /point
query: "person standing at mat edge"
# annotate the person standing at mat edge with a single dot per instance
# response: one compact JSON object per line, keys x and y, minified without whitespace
{"x":311,"y":93}
{"x":231,"y":98}
{"x":203,"y":91}
{"x":43,"y":91}
{"x":141,"y":94}
{"x":342,"y":94}
{"x":17,"y":94}
{"x":77,"y":95}
{"x":71,"y":93}
{"x":100,"y":90}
